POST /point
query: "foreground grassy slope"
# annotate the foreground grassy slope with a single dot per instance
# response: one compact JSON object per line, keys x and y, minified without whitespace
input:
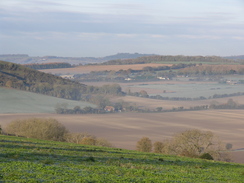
{"x":16,"y":101}
{"x":29,"y":160}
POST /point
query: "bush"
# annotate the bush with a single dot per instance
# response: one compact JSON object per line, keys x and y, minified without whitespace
{"x":40,"y":128}
{"x":103,"y":142}
{"x":206,"y":156}
{"x":75,"y":137}
{"x":144,"y":145}
{"x":86,"y":139}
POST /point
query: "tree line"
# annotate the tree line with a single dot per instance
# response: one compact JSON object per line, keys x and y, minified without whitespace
{"x":50,"y":129}
{"x":212,"y":70}
{"x":167,"y":58}
{"x":49,"y":65}
{"x":144,"y":94}
{"x":191,"y":143}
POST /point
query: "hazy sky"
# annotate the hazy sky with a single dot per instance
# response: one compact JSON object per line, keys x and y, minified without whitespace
{"x":99,"y":28}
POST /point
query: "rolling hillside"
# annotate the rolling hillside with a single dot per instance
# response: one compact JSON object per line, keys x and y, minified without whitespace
{"x":26,"y":59}
{"x":23,"y":78}
{"x":16,"y":101}
{"x":30,"y":160}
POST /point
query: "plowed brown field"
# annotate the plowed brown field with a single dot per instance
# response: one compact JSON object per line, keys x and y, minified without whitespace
{"x":125,"y":129}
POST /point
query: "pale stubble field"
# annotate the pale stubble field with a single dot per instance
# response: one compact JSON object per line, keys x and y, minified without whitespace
{"x":123,"y":130}
{"x":88,"y":68}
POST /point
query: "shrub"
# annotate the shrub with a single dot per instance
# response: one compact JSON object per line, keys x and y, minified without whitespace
{"x":75,"y":137}
{"x":206,"y":156}
{"x":40,"y":128}
{"x":86,"y":139}
{"x":228,"y":146}
{"x":144,"y":145}
{"x":103,"y":142}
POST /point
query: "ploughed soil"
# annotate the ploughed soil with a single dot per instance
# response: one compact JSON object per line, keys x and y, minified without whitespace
{"x":125,"y":129}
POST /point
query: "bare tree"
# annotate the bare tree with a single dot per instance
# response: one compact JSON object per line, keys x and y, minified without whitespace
{"x":144,"y":145}
{"x":158,"y":147}
{"x":194,"y":143}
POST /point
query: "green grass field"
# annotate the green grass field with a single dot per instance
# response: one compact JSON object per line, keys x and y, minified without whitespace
{"x":190,"y":90}
{"x":16,"y":101}
{"x":30,"y":160}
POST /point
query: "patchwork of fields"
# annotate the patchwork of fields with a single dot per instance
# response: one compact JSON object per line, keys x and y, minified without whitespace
{"x":188,"y":90}
{"x":169,"y":104}
{"x":125,"y":129}
{"x":177,"y":89}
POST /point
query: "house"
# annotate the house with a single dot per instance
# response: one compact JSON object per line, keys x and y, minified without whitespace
{"x":231,"y":82}
{"x":67,"y":76}
{"x":109,"y":109}
{"x":162,"y":78}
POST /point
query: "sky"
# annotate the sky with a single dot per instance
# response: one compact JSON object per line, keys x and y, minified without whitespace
{"x":95,"y":28}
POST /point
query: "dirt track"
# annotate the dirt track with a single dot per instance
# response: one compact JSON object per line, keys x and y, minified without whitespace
{"x":125,"y":129}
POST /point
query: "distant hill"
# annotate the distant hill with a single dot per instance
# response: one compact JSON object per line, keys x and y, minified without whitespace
{"x":26,"y":59}
{"x":23,"y":78}
{"x":168,"y":58}
{"x":16,"y":101}
{"x":125,"y":56}
{"x":238,"y":57}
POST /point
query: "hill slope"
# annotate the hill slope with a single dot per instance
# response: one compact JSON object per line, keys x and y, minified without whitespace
{"x":169,"y":58}
{"x":23,"y":78}
{"x":16,"y":101}
{"x":29,"y":160}
{"x":26,"y":59}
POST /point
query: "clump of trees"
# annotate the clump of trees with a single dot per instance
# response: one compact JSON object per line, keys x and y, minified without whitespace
{"x":40,"y":128}
{"x":49,"y":65}
{"x":230,"y":104}
{"x":112,"y":89}
{"x":191,"y":143}
{"x":51,"y":129}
